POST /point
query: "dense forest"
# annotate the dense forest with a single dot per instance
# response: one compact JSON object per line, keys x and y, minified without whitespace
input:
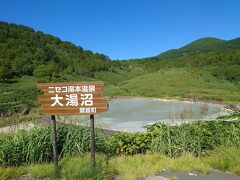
{"x":207,"y":69}
{"x":24,"y":51}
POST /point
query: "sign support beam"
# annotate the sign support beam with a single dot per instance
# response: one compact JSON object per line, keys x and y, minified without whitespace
{"x":92,"y":141}
{"x":54,"y":140}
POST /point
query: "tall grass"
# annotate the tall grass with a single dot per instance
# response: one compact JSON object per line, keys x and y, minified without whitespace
{"x":35,"y":146}
{"x":197,"y":138}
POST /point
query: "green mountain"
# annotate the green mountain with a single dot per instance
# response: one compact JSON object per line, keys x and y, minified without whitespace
{"x":203,"y":45}
{"x":25,"y":51}
{"x":206,"y":69}
{"x":219,"y":57}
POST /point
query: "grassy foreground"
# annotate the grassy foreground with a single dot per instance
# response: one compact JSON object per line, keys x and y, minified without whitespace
{"x":129,"y":167}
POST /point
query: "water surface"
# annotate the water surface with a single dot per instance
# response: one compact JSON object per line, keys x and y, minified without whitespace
{"x":132,"y":114}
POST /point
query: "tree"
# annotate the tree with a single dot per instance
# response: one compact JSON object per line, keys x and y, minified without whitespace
{"x":5,"y":69}
{"x":47,"y":73}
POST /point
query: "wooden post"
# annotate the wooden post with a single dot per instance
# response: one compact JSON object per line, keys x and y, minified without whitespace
{"x":54,"y":140}
{"x":92,"y":141}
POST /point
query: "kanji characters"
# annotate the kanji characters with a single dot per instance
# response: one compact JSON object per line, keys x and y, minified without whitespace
{"x":56,"y":102}
{"x":88,"y":110}
{"x":91,"y":88}
{"x":87,"y":99}
{"x":71,"y":89}
{"x":84,"y":88}
{"x":72,"y":100}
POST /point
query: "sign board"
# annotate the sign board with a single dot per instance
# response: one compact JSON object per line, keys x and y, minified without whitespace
{"x":72,"y":98}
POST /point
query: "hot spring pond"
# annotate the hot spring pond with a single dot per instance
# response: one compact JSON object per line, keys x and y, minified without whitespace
{"x":133,"y":114}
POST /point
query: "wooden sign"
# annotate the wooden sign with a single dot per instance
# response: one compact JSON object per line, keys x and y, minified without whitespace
{"x":72,"y":98}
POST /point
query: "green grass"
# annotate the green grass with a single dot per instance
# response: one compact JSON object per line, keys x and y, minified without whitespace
{"x":129,"y":167}
{"x":186,"y":163}
{"x":112,"y":91}
{"x":41,"y":170}
{"x":142,"y":165}
{"x":80,"y":168}
{"x":71,"y":168}
{"x":111,"y":77}
{"x":226,"y":159}
{"x":34,"y":146}
{"x":12,"y":172}
{"x":36,"y":171}
{"x":182,"y":83}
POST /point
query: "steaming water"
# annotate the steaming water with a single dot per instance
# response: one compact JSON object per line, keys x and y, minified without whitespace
{"x":135,"y":113}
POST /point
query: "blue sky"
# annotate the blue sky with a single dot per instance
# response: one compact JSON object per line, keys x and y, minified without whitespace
{"x":123,"y":29}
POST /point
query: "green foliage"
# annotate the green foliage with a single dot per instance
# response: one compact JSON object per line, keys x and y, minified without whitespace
{"x":139,"y":165}
{"x":199,"y":46}
{"x":217,"y":57}
{"x":35,"y":146}
{"x":12,"y":172}
{"x":23,"y":50}
{"x":130,"y":143}
{"x":41,"y":170}
{"x":183,"y":83}
{"x":197,"y":138}
{"x":129,"y":167}
{"x":15,"y":95}
{"x":47,"y":73}
{"x":80,"y":168}
{"x":70,"y":168}
{"x":227,"y":159}
{"x":206,"y":68}
{"x":142,"y":165}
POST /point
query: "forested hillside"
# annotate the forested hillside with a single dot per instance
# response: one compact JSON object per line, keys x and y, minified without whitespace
{"x":24,"y":51}
{"x":220,"y":58}
{"x":207,"y":69}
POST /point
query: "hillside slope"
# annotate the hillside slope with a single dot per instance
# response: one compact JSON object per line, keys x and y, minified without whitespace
{"x":207,"y":69}
{"x":203,"y":45}
{"x":24,"y":51}
{"x":182,"y":83}
{"x":220,"y":58}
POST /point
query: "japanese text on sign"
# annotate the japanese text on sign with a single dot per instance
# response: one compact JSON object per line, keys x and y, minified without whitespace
{"x":72,"y":98}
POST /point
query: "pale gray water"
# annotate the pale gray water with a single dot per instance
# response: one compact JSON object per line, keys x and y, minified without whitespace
{"x":133,"y":114}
